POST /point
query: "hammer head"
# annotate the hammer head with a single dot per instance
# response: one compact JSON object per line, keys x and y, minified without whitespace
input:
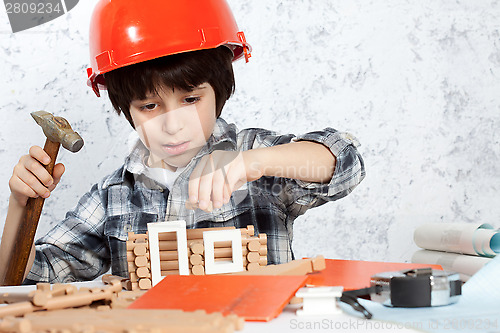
{"x":57,"y":129}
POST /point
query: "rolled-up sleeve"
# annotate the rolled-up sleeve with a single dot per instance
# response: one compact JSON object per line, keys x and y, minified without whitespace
{"x":349,"y":166}
{"x":297,"y":195}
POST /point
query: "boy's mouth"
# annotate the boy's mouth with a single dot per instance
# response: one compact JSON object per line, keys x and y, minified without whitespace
{"x":176,"y":148}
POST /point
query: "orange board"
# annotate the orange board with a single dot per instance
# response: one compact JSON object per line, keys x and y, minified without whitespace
{"x":255,"y":298}
{"x":355,"y":274}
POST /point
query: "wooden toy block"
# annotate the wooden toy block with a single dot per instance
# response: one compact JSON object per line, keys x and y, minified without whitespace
{"x":15,"y":325}
{"x":140,"y":250}
{"x":227,"y":252}
{"x":197,"y":247}
{"x":103,"y":319}
{"x":125,"y":282}
{"x":44,"y":286}
{"x":132,"y":267}
{"x":167,"y":245}
{"x":145,"y":284}
{"x":196,"y":259}
{"x":143,"y":272}
{"x":130,"y":245}
{"x":253,"y":266}
{"x":263,"y":261}
{"x":318,"y":263}
{"x":41,"y":297}
{"x":253,"y":257}
{"x":141,"y":261}
{"x":137,"y":237}
{"x":253,"y":245}
{"x":133,"y":276}
{"x":169,"y":255}
{"x":18,"y":309}
{"x":169,"y":265}
{"x":254,"y":250}
{"x":60,"y":302}
{"x":192,"y":234}
{"x":9,"y":298}
{"x":198,"y":270}
{"x":295,"y":267}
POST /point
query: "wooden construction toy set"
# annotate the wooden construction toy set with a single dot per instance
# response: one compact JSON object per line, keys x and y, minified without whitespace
{"x":253,"y":254}
{"x":66,"y":308}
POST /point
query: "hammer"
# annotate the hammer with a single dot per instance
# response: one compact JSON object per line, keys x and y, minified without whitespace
{"x":58,"y":131}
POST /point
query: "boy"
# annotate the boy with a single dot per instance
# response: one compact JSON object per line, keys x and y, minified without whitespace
{"x":167,"y":67}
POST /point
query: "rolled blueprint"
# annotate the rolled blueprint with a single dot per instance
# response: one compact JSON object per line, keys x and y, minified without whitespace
{"x":468,"y":238}
{"x":460,"y":263}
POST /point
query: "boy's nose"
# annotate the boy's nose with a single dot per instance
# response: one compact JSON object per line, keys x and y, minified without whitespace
{"x":172,"y":121}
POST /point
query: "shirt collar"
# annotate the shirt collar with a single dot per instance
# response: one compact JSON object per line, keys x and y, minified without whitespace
{"x":223,"y":138}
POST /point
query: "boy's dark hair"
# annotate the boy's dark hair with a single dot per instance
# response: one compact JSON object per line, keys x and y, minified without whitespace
{"x":183,"y":71}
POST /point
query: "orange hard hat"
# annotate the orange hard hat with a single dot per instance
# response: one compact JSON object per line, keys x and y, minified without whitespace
{"x":126,"y":32}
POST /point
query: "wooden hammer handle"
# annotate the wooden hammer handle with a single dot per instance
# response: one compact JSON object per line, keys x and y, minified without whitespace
{"x":27,"y":229}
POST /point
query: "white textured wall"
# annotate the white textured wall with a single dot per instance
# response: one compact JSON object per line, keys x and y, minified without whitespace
{"x":418,"y":82}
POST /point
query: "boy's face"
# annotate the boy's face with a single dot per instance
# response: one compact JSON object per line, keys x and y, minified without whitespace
{"x":175,"y":124}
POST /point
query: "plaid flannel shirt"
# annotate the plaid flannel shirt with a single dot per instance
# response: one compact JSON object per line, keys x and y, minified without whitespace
{"x":92,"y":237}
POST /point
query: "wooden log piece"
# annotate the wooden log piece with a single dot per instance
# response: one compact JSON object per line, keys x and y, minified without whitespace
{"x":137,"y":237}
{"x":196,"y":259}
{"x":253,"y":245}
{"x":318,"y":263}
{"x":143,"y":272}
{"x":130,"y":245}
{"x":44,"y":286}
{"x":198,"y":270}
{"x":133,"y":276}
{"x":263,"y":239}
{"x":167,"y":245}
{"x":145,"y":284}
{"x":169,"y":265}
{"x":120,"y":320}
{"x":294,"y":267}
{"x":263,"y":261}
{"x":142,"y":261}
{"x":140,"y":250}
{"x":18,"y":325}
{"x":197,"y":247}
{"x":253,"y":266}
{"x":9,"y":298}
{"x":131,"y":267}
{"x":190,"y":233}
{"x":169,"y":255}
{"x":253,"y":257}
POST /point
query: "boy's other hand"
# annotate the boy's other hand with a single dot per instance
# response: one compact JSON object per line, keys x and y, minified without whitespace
{"x":218,"y":175}
{"x":30,"y":179}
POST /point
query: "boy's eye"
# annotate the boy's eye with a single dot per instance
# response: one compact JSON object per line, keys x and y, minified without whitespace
{"x":191,"y":99}
{"x":149,"y":107}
